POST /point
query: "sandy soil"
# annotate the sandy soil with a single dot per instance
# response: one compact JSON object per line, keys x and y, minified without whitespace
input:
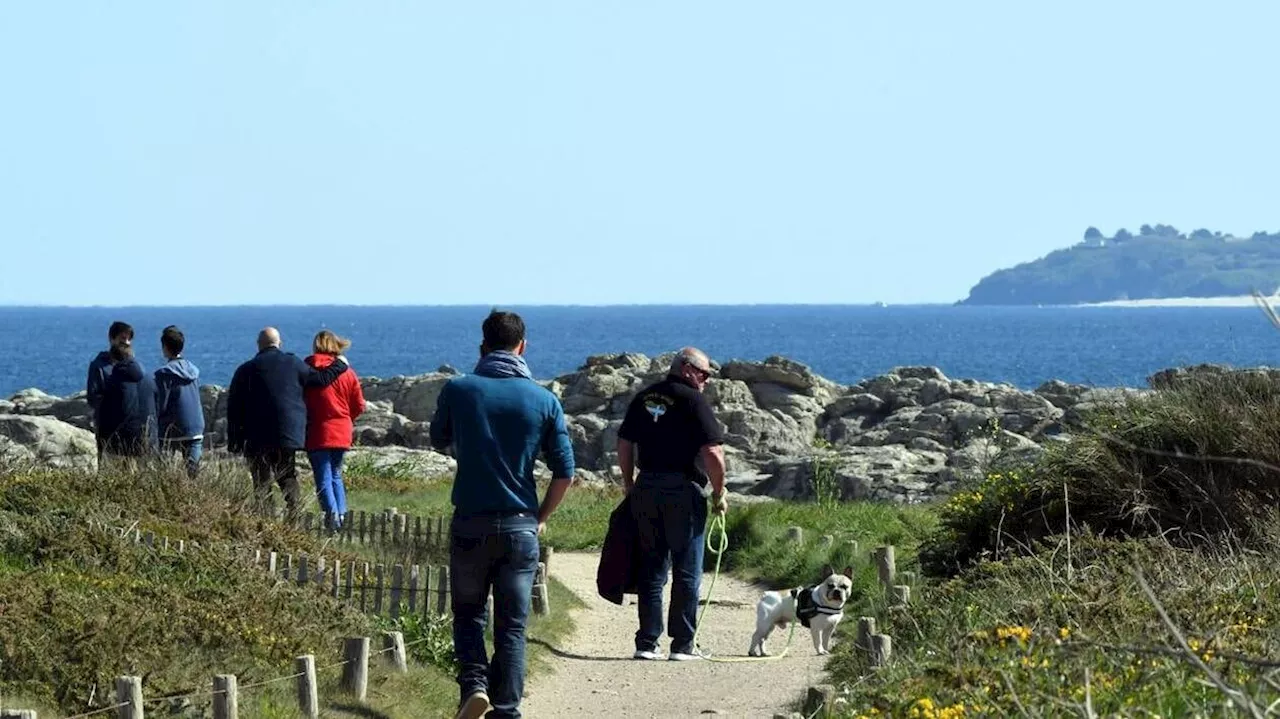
{"x":594,"y":675}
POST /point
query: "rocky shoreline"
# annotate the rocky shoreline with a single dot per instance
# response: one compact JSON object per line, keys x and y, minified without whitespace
{"x":905,"y":436}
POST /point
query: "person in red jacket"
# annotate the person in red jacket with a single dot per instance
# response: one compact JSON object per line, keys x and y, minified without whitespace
{"x":331,"y":415}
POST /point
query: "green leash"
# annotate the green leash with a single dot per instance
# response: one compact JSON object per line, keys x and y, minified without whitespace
{"x":716,"y":533}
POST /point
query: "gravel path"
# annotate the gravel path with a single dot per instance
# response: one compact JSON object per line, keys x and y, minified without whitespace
{"x":594,"y":676}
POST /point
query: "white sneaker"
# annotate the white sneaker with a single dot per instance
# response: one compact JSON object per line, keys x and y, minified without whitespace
{"x":649,"y":654}
{"x":685,"y":657}
{"x":475,"y":707}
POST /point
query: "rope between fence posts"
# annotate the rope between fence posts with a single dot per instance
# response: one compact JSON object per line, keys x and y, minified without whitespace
{"x":103,"y":710}
{"x":210,"y":693}
{"x":265,"y":682}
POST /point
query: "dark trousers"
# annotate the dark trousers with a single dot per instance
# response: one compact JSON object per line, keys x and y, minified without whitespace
{"x":671,"y":521}
{"x":499,"y":553}
{"x":274,"y":465}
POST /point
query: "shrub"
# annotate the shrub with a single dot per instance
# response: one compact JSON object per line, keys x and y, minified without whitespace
{"x":1195,"y":462}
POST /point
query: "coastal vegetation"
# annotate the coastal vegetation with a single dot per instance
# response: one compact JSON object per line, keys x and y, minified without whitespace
{"x":1129,"y":569}
{"x":1156,"y":262}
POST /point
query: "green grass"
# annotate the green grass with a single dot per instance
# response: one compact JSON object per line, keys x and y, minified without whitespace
{"x":1028,"y":631}
{"x":80,"y":606}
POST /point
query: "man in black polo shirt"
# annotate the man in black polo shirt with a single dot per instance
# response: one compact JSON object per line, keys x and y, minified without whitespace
{"x":670,"y":426}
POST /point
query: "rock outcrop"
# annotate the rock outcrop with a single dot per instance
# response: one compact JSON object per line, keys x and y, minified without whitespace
{"x":907,"y":435}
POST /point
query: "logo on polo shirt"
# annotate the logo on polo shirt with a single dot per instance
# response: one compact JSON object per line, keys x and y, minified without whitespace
{"x":656,"y":405}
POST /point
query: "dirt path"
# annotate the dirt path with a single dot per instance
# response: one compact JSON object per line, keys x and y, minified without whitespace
{"x":594,"y":675}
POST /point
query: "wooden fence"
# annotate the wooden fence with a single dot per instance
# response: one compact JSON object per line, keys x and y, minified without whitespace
{"x":370,"y":586}
{"x":130,"y":703}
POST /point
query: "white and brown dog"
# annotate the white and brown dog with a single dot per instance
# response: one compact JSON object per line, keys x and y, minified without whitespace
{"x":819,"y":608}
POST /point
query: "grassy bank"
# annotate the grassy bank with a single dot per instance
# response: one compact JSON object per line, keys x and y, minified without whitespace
{"x":79,"y":605}
{"x":1131,"y":571}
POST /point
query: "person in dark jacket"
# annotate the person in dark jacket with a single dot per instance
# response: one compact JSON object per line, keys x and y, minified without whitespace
{"x":178,"y":408}
{"x":267,"y":416}
{"x":126,"y":416}
{"x":668,"y":430}
{"x":119,"y":334}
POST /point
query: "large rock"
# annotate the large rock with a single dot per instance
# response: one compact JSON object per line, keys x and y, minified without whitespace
{"x":889,"y":472}
{"x":50,"y":441}
{"x":598,"y":388}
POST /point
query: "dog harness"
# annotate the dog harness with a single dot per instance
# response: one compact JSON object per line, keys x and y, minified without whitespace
{"x":807,"y":608}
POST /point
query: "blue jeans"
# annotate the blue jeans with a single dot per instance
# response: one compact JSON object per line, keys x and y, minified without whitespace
{"x":190,"y":449}
{"x":502,"y":553}
{"x":326,"y":464}
{"x":671,"y":519}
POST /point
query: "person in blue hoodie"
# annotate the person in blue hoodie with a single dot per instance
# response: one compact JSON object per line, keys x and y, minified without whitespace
{"x":119,"y":334}
{"x":178,"y":409}
{"x":126,"y":416}
{"x":498,"y":420}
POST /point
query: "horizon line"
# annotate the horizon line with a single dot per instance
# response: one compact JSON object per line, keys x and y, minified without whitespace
{"x":475,"y":305}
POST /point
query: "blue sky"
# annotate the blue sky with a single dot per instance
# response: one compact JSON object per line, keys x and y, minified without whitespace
{"x":591,"y":153}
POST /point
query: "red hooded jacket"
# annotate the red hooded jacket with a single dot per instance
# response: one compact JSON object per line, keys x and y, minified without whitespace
{"x":332,"y":410}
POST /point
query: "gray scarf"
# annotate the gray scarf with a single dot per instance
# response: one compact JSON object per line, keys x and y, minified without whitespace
{"x":503,"y":364}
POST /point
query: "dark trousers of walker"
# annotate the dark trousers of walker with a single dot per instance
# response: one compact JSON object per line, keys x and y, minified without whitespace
{"x":274,"y":466}
{"x":671,"y":521}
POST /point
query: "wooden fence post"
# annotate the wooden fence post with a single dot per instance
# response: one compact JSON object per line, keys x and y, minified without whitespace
{"x":272,"y":558}
{"x":308,"y":700}
{"x":866,"y":628}
{"x":320,"y":570}
{"x":364,"y":585}
{"x":393,"y":644}
{"x":335,"y":578}
{"x":885,"y":566}
{"x":415,"y":574}
{"x":540,"y":600}
{"x":17,"y":714}
{"x":426,"y":592}
{"x":901,"y":595}
{"x":350,"y":582}
{"x":442,"y":589}
{"x":355,"y":673}
{"x":819,"y":701}
{"x":795,"y":534}
{"x":881,"y":649}
{"x":302,"y":569}
{"x":226,"y":701}
{"x":378,"y":571}
{"x":364,"y":525}
{"x":397,"y":584}
{"x":129,"y":695}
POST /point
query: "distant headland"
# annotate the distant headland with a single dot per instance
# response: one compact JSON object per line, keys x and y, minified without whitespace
{"x":1158,"y":266}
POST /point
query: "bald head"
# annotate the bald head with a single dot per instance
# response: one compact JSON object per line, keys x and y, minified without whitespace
{"x":268,"y":337}
{"x":690,"y":357}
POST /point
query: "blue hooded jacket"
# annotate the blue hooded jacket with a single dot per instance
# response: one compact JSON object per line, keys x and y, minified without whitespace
{"x":126,"y":415}
{"x":498,"y":420}
{"x":178,"y":405}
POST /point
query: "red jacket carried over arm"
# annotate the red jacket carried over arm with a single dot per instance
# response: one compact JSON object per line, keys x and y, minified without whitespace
{"x":332,"y":410}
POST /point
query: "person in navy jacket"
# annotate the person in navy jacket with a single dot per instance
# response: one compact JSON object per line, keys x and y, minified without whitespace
{"x":126,"y":415}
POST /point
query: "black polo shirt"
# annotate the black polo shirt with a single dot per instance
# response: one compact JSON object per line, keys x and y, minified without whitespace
{"x":670,"y":422}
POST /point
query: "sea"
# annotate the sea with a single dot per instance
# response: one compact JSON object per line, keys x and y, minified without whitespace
{"x":1025,"y":346}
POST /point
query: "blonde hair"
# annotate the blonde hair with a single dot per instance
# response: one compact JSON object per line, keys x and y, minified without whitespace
{"x":328,"y":343}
